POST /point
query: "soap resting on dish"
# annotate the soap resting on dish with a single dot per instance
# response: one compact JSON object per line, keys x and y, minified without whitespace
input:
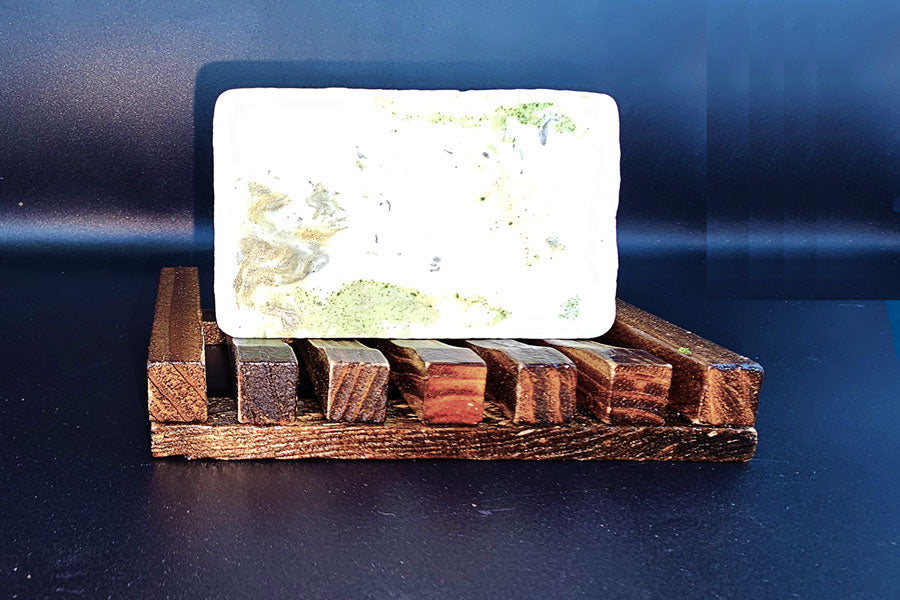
{"x":415,"y":214}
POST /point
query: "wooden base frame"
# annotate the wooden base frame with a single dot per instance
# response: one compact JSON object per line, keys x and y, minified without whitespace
{"x":404,"y":435}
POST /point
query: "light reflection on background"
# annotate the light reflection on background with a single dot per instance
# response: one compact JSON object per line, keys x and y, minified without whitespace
{"x":759,"y":139}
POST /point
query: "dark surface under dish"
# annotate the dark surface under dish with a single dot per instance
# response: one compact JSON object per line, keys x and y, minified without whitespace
{"x":87,"y":512}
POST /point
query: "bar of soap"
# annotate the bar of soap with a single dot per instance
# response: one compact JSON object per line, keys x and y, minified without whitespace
{"x":346,"y":213}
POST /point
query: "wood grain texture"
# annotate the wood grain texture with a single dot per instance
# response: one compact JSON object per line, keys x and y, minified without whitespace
{"x":533,"y":384}
{"x":404,"y":436}
{"x":711,"y":385}
{"x":619,"y":386}
{"x":176,"y":361}
{"x":212,"y":335}
{"x":266,"y":374}
{"x":349,"y":379}
{"x":443,"y":384}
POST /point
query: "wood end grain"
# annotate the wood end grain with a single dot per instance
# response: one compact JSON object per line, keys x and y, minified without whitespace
{"x":266,"y":374}
{"x":176,"y":358}
{"x":533,"y":384}
{"x":711,"y":385}
{"x":349,"y":378}
{"x":618,"y":385}
{"x":443,"y":384}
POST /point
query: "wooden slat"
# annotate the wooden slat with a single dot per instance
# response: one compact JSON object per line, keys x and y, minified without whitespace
{"x":710,"y":384}
{"x":176,"y":363}
{"x":619,"y":386}
{"x":443,"y":384}
{"x":533,"y":384}
{"x":267,"y":374}
{"x":403,"y":436}
{"x":350,"y":379}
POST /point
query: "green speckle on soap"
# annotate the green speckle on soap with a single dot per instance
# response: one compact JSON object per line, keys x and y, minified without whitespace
{"x":537,"y":114}
{"x":564,"y":125}
{"x":363,"y":308}
{"x":499,"y":313}
{"x":570,"y":308}
{"x":498,"y":121}
{"x":528,"y":113}
{"x":369,"y":308}
{"x":461,"y":120}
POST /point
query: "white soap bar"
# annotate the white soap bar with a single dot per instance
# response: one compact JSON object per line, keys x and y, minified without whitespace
{"x":415,"y":214}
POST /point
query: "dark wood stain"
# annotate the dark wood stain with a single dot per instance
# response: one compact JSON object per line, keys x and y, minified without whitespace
{"x":404,"y":436}
{"x":529,"y":411}
{"x":443,"y":384}
{"x":349,"y":379}
{"x":619,"y":386}
{"x":533,"y":384}
{"x":711,"y":385}
{"x":176,"y":362}
{"x":267,"y":374}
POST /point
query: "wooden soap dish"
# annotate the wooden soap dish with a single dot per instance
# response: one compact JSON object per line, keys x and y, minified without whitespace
{"x":647,"y":390}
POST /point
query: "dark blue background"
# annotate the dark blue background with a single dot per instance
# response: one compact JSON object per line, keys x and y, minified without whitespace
{"x":759,"y":162}
{"x":759,"y":139}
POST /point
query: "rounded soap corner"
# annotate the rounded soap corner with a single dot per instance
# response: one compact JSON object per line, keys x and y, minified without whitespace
{"x":613,"y":105}
{"x":226,"y":100}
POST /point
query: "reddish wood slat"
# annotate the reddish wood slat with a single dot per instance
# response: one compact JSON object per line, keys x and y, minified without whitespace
{"x":619,"y":385}
{"x":711,"y":385}
{"x":403,"y":436}
{"x":443,"y":384}
{"x":712,"y":382}
{"x":533,"y":384}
